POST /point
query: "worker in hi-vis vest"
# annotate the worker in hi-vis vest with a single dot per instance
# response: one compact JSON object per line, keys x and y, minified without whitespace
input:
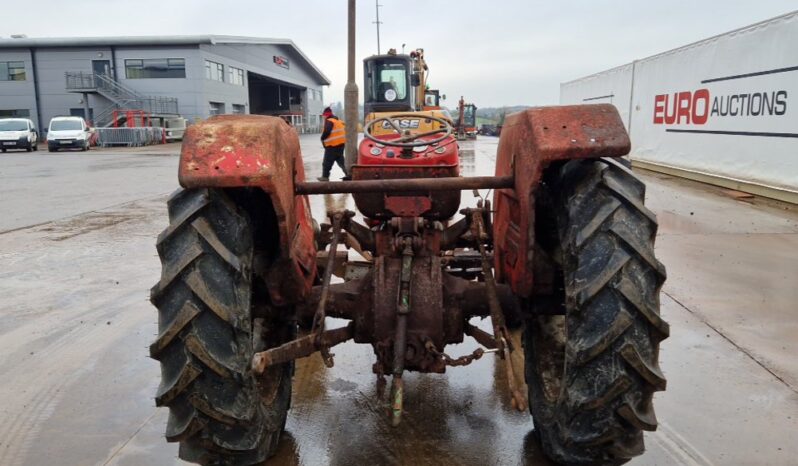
{"x":333,"y":139}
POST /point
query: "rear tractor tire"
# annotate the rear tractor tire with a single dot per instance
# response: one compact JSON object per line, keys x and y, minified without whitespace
{"x":211,"y":320}
{"x":592,"y":372}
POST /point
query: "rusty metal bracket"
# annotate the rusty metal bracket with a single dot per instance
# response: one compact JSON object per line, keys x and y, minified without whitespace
{"x":301,"y":347}
{"x":318,"y":318}
{"x":500,"y":334}
{"x":482,"y":337}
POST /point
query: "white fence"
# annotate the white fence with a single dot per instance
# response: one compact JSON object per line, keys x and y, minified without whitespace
{"x":129,"y":136}
{"x":725,"y":107}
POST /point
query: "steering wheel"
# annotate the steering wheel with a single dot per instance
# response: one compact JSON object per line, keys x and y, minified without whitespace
{"x":409,"y":140}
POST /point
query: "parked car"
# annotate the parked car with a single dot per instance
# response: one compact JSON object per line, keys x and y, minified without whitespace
{"x":488,"y":130}
{"x":18,"y":133}
{"x":68,"y":132}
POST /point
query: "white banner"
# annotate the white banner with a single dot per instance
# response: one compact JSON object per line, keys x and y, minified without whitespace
{"x":726,"y":106}
{"x":608,"y":87}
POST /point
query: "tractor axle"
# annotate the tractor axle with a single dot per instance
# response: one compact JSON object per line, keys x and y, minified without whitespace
{"x":405,"y":185}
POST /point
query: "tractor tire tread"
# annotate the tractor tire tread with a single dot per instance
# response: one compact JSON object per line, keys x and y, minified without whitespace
{"x":205,"y":335}
{"x":612,"y":283}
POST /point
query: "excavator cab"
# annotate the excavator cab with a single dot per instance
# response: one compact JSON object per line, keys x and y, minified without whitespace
{"x":395,"y":92}
{"x":432,"y":99}
{"x":466,"y":123}
{"x":389,"y":83}
{"x":470,"y":116}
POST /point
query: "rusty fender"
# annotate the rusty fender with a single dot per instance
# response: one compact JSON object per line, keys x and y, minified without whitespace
{"x":529,"y":142}
{"x":237,"y":151}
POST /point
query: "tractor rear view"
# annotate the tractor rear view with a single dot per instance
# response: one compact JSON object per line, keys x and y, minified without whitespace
{"x":565,"y":247}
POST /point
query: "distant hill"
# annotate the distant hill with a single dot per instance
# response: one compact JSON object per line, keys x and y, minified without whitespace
{"x":495,"y":115}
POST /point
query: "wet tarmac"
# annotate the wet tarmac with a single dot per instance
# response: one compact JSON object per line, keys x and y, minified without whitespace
{"x":77,"y":258}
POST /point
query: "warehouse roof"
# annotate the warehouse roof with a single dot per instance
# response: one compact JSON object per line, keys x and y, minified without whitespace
{"x":26,"y":42}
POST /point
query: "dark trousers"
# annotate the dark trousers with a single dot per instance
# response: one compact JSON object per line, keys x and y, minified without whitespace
{"x":333,"y":155}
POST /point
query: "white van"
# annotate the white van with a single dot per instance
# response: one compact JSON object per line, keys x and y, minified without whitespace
{"x":68,"y":132}
{"x":18,"y":133}
{"x":175,"y":128}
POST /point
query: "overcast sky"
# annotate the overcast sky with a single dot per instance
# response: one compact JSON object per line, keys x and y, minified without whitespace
{"x":494,"y":52}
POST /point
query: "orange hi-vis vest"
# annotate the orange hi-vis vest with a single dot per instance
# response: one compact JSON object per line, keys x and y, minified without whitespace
{"x":337,"y":136}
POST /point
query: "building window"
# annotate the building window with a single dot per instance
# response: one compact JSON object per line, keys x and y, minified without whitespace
{"x":241,"y":109}
{"x":216,"y":108}
{"x":236,"y":76}
{"x":15,"y":113}
{"x":12,"y":71}
{"x":82,"y":113}
{"x":155,"y":68}
{"x":214,"y":71}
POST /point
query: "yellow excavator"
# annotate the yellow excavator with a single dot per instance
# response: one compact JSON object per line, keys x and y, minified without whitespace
{"x":466,"y":125}
{"x":396,"y":91}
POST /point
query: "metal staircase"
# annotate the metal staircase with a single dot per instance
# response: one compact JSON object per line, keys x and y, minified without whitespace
{"x":123,"y":97}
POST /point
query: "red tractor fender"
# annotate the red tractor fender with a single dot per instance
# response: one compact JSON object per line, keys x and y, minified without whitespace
{"x":529,"y":142}
{"x":232,"y":151}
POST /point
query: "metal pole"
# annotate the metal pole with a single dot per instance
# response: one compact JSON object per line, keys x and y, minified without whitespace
{"x":378,"y":22}
{"x":87,"y":117}
{"x":351,"y":94}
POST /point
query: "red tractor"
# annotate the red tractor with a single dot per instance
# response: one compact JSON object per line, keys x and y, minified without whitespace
{"x":565,"y":248}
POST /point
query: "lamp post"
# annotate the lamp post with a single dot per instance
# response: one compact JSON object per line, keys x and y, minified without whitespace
{"x":351,"y":94}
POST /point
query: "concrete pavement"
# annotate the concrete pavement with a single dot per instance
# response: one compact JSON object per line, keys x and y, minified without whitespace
{"x":77,"y":259}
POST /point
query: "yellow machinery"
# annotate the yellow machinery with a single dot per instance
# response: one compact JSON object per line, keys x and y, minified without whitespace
{"x":397,"y":84}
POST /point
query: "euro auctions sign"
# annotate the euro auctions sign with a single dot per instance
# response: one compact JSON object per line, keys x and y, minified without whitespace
{"x":704,"y":110}
{"x":724,"y":107}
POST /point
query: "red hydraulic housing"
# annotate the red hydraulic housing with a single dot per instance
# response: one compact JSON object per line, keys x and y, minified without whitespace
{"x":434,"y":160}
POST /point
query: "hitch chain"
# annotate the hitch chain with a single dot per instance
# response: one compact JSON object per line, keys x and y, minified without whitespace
{"x":500,"y":334}
{"x":462,"y":360}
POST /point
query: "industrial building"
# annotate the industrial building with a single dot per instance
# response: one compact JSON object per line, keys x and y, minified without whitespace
{"x":102,"y":78}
